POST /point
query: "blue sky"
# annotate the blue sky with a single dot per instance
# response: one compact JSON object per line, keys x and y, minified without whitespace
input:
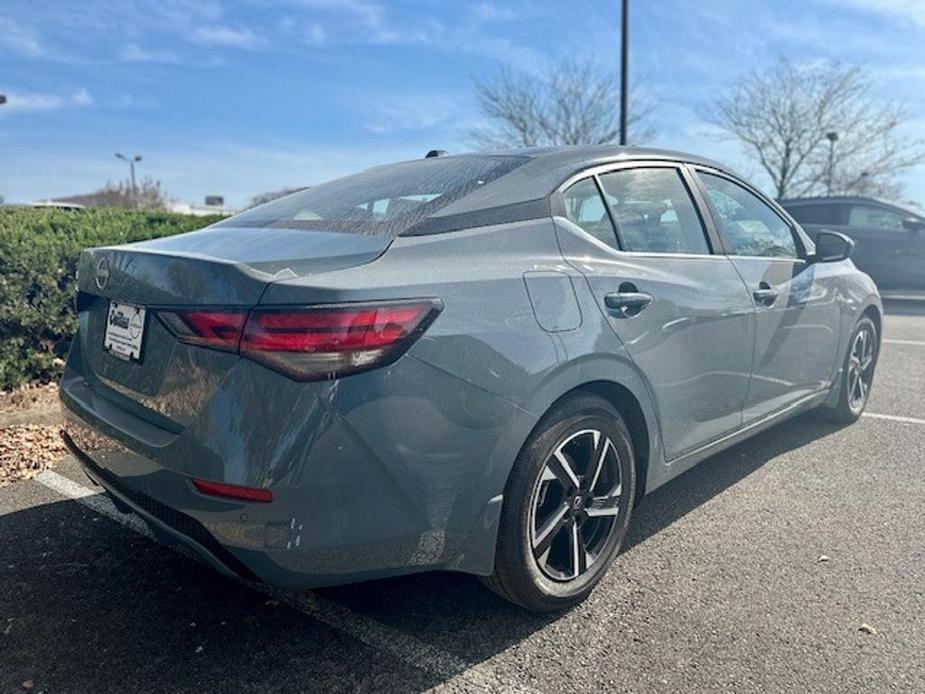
{"x":236,"y":97}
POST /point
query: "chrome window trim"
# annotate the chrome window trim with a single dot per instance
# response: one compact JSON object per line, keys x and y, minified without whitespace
{"x":617,"y":166}
{"x":596,"y":171}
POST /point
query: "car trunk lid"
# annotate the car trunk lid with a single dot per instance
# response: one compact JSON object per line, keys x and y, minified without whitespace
{"x":218,"y":267}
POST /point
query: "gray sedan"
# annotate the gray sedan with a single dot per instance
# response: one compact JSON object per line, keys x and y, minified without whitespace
{"x":474,"y":363}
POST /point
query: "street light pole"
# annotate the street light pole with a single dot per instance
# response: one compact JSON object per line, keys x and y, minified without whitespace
{"x":131,"y":166}
{"x":832,"y":137}
{"x":624,"y":72}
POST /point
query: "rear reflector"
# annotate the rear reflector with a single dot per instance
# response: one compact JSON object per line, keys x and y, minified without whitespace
{"x":310,"y":343}
{"x":233,"y":491}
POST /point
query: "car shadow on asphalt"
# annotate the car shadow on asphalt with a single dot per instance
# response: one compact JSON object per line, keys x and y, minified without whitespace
{"x":455,"y":612}
{"x":86,"y":605}
{"x":89,"y":606}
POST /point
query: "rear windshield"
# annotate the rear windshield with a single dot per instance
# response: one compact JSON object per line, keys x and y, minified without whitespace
{"x":385,"y":201}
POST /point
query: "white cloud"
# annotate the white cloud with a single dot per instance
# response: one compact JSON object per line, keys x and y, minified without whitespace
{"x":409,"y":112}
{"x":221,"y":35}
{"x":81,"y":98}
{"x":490,"y":12}
{"x":132,"y":53}
{"x":362,"y":22}
{"x":315,"y":34}
{"x":26,"y":102}
{"x":19,"y":40}
{"x":907,"y":10}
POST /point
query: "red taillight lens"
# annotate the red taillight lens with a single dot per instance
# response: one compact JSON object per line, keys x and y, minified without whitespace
{"x":326,"y":342}
{"x":216,"y":329}
{"x":310,"y":343}
{"x":233,"y":491}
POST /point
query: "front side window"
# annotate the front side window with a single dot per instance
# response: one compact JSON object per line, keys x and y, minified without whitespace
{"x":585,"y":207}
{"x":871,"y":216}
{"x":747,"y":224}
{"x":654,"y":212}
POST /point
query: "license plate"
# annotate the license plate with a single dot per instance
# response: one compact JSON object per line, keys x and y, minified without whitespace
{"x":125,"y":330}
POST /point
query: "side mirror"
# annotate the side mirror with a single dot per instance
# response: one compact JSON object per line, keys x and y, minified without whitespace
{"x":831,"y":247}
{"x":913,"y":224}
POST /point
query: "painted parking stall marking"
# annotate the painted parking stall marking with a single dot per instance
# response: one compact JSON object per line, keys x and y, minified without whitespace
{"x":92,"y":499}
{"x":402,"y":646}
{"x":916,"y":343}
{"x":894,"y":418}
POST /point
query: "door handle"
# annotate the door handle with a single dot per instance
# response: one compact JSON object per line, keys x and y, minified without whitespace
{"x":764,"y":295}
{"x":629,"y":303}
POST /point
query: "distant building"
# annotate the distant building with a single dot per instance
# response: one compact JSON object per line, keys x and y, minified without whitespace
{"x":213,"y":204}
{"x":55,"y":204}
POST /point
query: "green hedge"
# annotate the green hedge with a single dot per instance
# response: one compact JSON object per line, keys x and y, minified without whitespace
{"x":38,"y":262}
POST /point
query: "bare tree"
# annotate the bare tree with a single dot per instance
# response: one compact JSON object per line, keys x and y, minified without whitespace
{"x":272,"y":195}
{"x":573,"y":103}
{"x":817,"y":129}
{"x":149,"y":195}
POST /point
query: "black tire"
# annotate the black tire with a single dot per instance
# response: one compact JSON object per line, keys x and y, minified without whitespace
{"x":532,"y":581}
{"x":849,"y":407}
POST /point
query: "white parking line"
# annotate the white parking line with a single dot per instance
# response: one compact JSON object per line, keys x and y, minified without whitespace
{"x":917,"y":343}
{"x":406,"y":648}
{"x":894,"y":418}
{"x":92,"y":499}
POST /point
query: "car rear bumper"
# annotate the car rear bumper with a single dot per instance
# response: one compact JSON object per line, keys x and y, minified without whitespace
{"x":360,"y":491}
{"x":167,"y":524}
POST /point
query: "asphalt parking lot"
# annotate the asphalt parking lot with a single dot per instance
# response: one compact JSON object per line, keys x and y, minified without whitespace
{"x":752,"y":572}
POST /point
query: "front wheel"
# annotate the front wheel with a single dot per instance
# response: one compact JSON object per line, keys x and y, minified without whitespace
{"x":567,"y":506}
{"x":857,"y":373}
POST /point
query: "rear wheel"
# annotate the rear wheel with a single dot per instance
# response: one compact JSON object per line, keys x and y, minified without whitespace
{"x":857,"y":374}
{"x":567,"y":506}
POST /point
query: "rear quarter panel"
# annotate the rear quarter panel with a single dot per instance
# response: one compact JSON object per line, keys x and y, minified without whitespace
{"x":488,"y":338}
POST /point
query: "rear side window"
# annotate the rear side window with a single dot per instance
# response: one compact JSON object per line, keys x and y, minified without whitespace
{"x":654,"y":212}
{"x":871,"y":216}
{"x":585,"y":207}
{"x":816,"y":213}
{"x":748,"y":225}
{"x":385,"y":201}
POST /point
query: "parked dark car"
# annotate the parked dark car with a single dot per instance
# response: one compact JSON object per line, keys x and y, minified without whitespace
{"x":475,"y":363}
{"x":889,"y":239}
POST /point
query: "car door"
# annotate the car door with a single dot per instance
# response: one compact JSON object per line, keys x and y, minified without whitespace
{"x":796,"y":303}
{"x":885,"y":249}
{"x":681,"y":310}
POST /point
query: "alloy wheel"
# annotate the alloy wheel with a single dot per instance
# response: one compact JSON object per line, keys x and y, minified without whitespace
{"x":860,"y":369}
{"x":574,"y":505}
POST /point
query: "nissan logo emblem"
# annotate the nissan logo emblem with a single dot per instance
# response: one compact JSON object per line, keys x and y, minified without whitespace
{"x":102,"y":273}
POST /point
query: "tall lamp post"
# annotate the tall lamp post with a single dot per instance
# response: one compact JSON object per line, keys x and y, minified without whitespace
{"x":832,"y":137}
{"x":2,"y":101}
{"x":624,"y":72}
{"x":131,"y":166}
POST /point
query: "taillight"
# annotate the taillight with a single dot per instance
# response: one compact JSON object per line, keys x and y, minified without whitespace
{"x":327,"y":342}
{"x":220,"y":329}
{"x":309,"y":343}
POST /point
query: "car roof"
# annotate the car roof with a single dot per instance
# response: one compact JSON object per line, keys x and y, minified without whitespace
{"x":849,"y":199}
{"x":549,"y":167}
{"x":572,"y":155}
